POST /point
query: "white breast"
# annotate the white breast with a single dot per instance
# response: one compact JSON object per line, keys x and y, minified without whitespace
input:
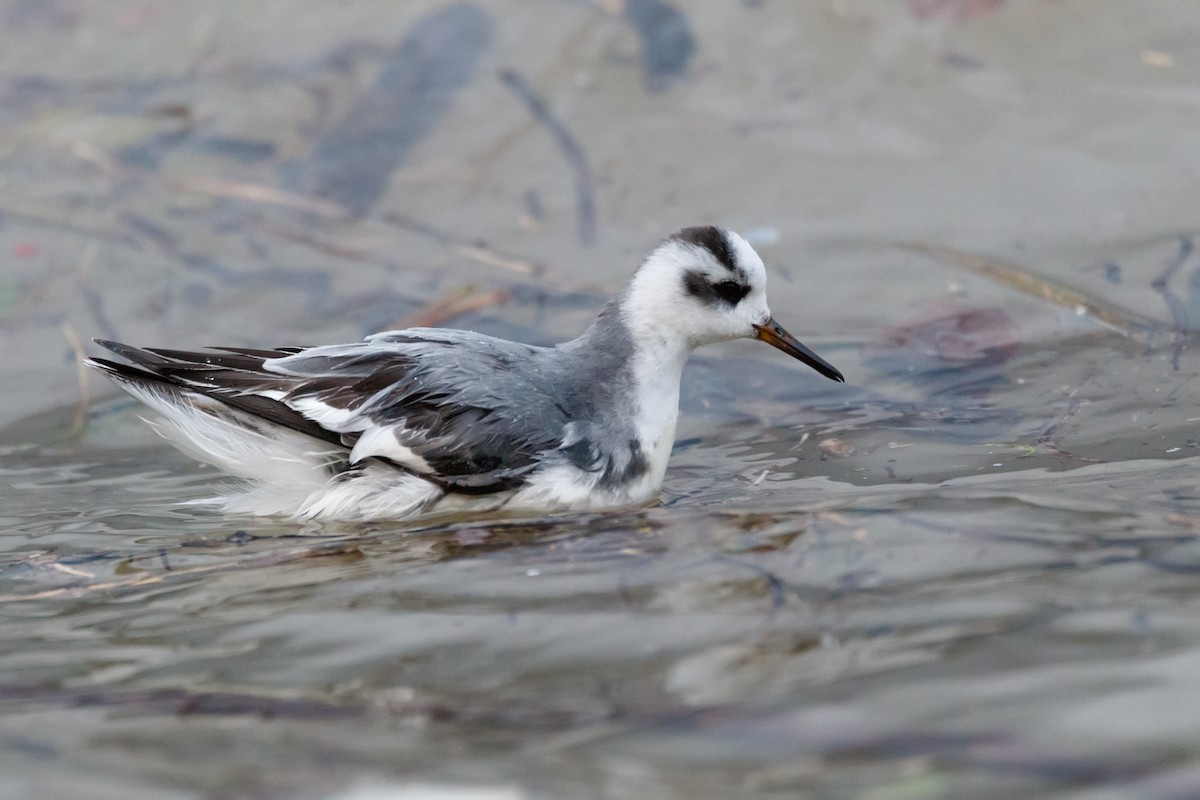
{"x":656,"y":376}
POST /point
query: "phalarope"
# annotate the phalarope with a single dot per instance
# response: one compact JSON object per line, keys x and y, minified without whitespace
{"x":431,"y":420}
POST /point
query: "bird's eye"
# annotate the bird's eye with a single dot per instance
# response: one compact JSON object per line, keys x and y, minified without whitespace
{"x":731,"y":292}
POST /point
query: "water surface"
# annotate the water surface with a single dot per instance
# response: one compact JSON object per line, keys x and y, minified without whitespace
{"x":971,"y":571}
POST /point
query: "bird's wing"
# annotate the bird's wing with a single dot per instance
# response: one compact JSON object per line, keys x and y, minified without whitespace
{"x":466,"y":411}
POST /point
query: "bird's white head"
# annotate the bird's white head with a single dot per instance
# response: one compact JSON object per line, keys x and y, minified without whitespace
{"x":704,"y":285}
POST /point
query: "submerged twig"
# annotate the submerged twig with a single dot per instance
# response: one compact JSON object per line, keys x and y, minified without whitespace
{"x":571,"y":150}
{"x":258,"y":193}
{"x":49,"y":219}
{"x":1045,"y":439}
{"x":473,"y":249}
{"x":1129,"y":324}
{"x":777,"y":589}
{"x":356,"y":251}
{"x":93,"y":298}
{"x":1160,"y":284}
{"x":133,"y":582}
{"x":1178,"y":311}
{"x":186,"y":702}
{"x":491,"y":258}
{"x":345,"y":547}
{"x":81,"y":374}
{"x":456,"y":303}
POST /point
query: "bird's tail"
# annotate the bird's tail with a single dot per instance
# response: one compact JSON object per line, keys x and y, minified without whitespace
{"x":285,"y":467}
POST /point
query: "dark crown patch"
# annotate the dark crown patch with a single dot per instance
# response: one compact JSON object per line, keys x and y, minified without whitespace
{"x":711,"y":239}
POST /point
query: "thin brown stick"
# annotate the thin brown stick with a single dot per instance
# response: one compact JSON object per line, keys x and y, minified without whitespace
{"x":492,"y":258}
{"x":572,"y":150}
{"x":453,"y":304}
{"x":35,"y":216}
{"x":1129,"y":324}
{"x":356,"y":250}
{"x":459,"y":245}
{"x":289,"y":556}
{"x":81,"y":373}
{"x":257,"y":193}
{"x":79,"y":590}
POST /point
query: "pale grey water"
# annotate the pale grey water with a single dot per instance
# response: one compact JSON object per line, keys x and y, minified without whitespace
{"x":972,"y":571}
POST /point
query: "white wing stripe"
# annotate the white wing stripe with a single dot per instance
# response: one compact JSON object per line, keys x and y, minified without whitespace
{"x":383,"y":442}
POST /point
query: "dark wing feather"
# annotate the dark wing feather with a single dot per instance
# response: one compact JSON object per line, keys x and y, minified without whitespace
{"x":173,"y":368}
{"x":426,"y":402}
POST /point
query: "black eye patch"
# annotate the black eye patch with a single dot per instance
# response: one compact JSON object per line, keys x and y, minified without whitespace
{"x":731,"y":292}
{"x":724,"y":292}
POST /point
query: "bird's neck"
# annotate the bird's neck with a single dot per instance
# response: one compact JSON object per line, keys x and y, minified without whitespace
{"x":651,"y":361}
{"x":650,"y":353}
{"x":657,"y":373}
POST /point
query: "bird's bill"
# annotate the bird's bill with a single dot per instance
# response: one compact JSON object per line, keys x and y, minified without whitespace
{"x":773,"y":334}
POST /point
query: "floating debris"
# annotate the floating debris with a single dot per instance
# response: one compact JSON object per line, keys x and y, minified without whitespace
{"x":667,"y":41}
{"x":353,"y":163}
{"x":584,"y":192}
{"x":948,"y":335}
{"x":1129,"y":324}
{"x":834,"y":447}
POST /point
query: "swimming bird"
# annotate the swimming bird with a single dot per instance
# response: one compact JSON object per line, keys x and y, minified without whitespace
{"x":426,"y":420}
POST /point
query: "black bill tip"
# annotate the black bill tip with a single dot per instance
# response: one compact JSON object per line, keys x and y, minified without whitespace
{"x":773,"y":334}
